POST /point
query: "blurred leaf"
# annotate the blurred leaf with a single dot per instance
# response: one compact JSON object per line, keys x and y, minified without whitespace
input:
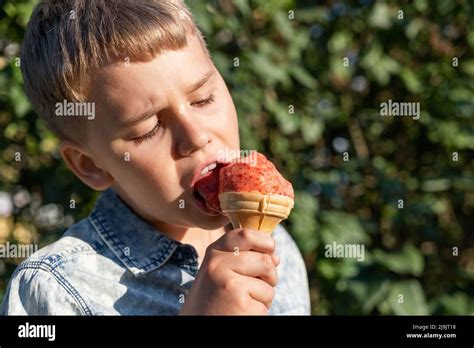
{"x":243,"y":7}
{"x":10,"y":9}
{"x":339,"y":70}
{"x":414,"y":28}
{"x":436,"y":185}
{"x":19,"y":101}
{"x":411,"y":81}
{"x":379,"y":65}
{"x":266,"y":69}
{"x":288,"y":123}
{"x":380,"y":16}
{"x":341,"y":228}
{"x":311,"y":129}
{"x":302,"y":76}
{"x":340,"y":42}
{"x":407,"y":298}
{"x":283,"y":25}
{"x":408,"y":261}
{"x":452,"y":304}
{"x":303,"y":219}
{"x":468,"y":67}
{"x":369,"y":292}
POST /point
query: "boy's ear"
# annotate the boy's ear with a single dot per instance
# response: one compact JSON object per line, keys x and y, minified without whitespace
{"x":84,"y":166}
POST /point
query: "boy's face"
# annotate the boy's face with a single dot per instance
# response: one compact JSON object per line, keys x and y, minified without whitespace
{"x":189,"y":117}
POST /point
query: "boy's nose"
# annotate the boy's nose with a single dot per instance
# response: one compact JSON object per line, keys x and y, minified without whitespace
{"x":191,"y":135}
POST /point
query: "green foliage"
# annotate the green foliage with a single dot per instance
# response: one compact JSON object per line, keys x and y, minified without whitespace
{"x":300,"y":104}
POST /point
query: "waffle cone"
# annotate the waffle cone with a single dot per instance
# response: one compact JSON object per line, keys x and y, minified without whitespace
{"x":258,"y":211}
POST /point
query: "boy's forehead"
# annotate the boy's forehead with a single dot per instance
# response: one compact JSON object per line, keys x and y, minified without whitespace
{"x":114,"y":85}
{"x":173,"y":65}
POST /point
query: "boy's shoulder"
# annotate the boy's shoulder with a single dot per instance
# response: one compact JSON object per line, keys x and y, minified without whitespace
{"x":47,"y":281}
{"x":78,"y":239}
{"x":81,"y":242}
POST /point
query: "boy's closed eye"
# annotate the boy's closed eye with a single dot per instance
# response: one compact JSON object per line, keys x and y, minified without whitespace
{"x":204,"y":102}
{"x":199,"y":103}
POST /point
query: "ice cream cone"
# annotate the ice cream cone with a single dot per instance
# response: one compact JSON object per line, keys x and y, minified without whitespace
{"x":258,"y":211}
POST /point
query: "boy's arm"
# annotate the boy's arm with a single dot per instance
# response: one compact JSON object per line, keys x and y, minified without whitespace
{"x":38,"y":291}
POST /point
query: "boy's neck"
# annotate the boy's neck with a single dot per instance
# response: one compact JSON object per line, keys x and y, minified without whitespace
{"x":193,"y":235}
{"x":199,"y":238}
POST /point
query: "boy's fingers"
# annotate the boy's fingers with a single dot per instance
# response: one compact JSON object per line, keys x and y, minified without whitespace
{"x":261,"y":291}
{"x":244,"y":239}
{"x":254,"y":264}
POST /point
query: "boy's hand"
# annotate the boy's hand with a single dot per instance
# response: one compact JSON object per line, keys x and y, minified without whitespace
{"x":237,"y":276}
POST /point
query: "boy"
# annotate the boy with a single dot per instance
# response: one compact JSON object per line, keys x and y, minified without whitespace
{"x":161,"y":112}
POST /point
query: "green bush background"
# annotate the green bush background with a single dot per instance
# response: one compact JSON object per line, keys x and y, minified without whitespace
{"x":290,"y":57}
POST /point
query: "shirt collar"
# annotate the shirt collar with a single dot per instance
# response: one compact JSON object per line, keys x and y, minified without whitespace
{"x":138,"y":245}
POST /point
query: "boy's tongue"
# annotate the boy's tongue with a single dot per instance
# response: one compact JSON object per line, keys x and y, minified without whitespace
{"x":208,"y":188}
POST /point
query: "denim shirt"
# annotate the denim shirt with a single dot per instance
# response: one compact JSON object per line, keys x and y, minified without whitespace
{"x":114,"y":263}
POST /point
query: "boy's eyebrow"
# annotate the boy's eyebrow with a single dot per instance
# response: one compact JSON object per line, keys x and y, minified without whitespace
{"x":147,"y":114}
{"x":201,"y":82}
{"x":140,"y":118}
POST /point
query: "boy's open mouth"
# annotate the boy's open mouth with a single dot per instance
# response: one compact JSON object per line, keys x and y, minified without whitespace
{"x":206,"y":188}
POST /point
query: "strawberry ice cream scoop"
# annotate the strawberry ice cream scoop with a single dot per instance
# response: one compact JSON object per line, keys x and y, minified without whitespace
{"x":259,"y":175}
{"x":254,"y":195}
{"x":250,"y":174}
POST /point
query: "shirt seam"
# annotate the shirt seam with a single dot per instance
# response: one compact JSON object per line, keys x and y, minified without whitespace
{"x":61,"y":281}
{"x":63,"y":258}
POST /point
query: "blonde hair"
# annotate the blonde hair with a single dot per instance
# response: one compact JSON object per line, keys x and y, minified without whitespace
{"x":67,"y":40}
